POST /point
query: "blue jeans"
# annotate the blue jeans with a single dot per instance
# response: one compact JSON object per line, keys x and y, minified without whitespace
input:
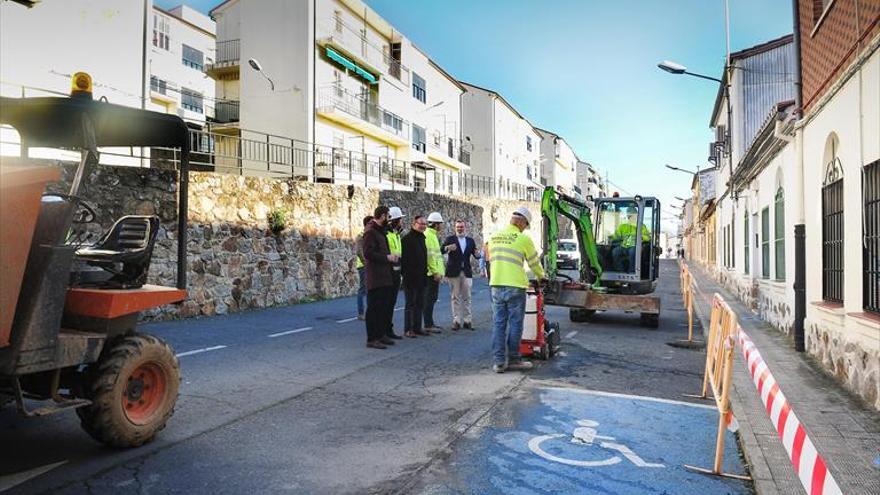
{"x":508,"y":312}
{"x":362,"y":291}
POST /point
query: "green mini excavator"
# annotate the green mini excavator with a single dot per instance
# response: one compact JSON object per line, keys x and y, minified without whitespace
{"x":619,"y":255}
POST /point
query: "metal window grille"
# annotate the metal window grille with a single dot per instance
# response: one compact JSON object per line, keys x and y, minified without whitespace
{"x":765,"y":243}
{"x":832,"y":233}
{"x":779,"y":230}
{"x":192,"y":57}
{"x":746,"y":239}
{"x":871,"y":240}
{"x":418,"y":88}
{"x":191,"y":100}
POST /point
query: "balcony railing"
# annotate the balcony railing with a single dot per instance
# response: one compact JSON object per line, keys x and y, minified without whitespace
{"x":334,"y":97}
{"x":226,"y":112}
{"x":355,"y":41}
{"x":228,"y":52}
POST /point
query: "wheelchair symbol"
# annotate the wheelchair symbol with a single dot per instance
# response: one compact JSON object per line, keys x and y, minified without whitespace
{"x":585,"y":435}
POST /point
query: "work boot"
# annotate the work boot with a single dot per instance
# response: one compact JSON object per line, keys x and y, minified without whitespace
{"x":455,"y":326}
{"x":421,"y":333}
{"x":468,"y":325}
{"x":375,"y":344}
{"x":386,"y":341}
{"x":394,"y":336}
{"x":520,"y":366}
{"x":498,"y":368}
{"x":410,"y":334}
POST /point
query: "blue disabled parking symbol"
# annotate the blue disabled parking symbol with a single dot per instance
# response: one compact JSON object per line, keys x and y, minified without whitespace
{"x":578,"y":441}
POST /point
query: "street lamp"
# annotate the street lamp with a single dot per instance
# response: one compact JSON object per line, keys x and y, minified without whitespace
{"x":670,"y":167}
{"x":674,"y":68}
{"x":255,"y":64}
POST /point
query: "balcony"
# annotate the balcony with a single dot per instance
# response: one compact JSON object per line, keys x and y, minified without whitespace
{"x":354,"y":43}
{"x":448,"y":151}
{"x":358,"y":113}
{"x":226,"y":112}
{"x":227,"y":61}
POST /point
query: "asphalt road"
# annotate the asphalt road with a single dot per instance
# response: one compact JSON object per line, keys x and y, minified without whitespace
{"x":290,"y":400}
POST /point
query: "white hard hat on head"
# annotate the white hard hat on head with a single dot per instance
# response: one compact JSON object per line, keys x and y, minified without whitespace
{"x":523,"y":212}
{"x":394,"y":213}
{"x":435,"y":217}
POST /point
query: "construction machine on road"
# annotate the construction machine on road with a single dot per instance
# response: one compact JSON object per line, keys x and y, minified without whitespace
{"x":619,"y":255}
{"x":68,"y":308}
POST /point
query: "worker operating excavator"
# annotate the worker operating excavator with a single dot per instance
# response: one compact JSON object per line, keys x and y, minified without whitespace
{"x":624,"y":238}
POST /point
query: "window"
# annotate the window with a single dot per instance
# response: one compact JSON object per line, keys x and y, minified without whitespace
{"x":161,"y":28}
{"x":765,"y":243}
{"x":193,"y":58}
{"x":528,"y":143}
{"x":418,"y":88}
{"x":191,"y":100}
{"x":158,"y":85}
{"x":394,"y":63}
{"x":418,"y":138}
{"x":392,"y":121}
{"x":871,"y":237}
{"x":337,"y":16}
{"x":832,"y":232}
{"x":779,"y":229}
{"x":746,"y":239}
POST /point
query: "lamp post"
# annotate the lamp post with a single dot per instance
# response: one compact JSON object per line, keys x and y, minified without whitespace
{"x":670,"y":167}
{"x":255,"y":64}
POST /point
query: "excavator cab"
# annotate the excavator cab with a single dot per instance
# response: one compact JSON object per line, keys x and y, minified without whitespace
{"x":627,"y":233}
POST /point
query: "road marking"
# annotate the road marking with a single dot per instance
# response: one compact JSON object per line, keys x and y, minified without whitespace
{"x":347,"y":320}
{"x":199,"y":351}
{"x":627,"y":396}
{"x":298,"y":330}
{"x":571,"y":334}
{"x":11,"y":480}
{"x":398,"y":309}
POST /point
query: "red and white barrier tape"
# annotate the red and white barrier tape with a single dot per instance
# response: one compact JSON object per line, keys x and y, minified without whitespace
{"x":809,"y":465}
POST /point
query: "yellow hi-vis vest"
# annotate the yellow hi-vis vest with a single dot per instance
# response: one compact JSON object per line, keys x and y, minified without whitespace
{"x":394,"y":245}
{"x":508,"y":249}
{"x":358,"y":247}
{"x":435,"y":257}
{"x":626,"y":233}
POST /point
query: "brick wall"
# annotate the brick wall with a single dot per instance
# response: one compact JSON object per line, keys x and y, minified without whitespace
{"x":834,"y":45}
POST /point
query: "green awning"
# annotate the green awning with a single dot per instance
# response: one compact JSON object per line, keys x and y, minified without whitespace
{"x":348,"y":64}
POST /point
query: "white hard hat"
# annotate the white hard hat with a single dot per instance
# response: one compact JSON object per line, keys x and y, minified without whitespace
{"x":394,"y":213}
{"x":524,"y":212}
{"x":435,"y":217}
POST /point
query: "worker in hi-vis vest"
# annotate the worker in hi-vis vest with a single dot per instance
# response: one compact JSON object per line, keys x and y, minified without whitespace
{"x":362,"y":276}
{"x":624,"y":238}
{"x":395,"y":225}
{"x":509,"y":248}
{"x":436,"y":270}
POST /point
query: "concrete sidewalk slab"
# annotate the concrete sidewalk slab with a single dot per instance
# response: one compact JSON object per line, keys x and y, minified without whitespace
{"x":846,"y":431}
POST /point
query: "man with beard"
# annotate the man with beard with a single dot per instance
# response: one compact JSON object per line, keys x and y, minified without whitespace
{"x":380,"y":285}
{"x":414,"y":265}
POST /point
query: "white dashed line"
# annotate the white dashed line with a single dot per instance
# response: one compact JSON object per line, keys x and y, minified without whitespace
{"x":571,"y":334}
{"x":398,"y":309}
{"x":298,"y":330}
{"x":346,"y":320}
{"x":199,"y":351}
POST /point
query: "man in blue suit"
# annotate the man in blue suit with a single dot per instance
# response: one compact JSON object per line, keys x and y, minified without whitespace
{"x":460,"y":249}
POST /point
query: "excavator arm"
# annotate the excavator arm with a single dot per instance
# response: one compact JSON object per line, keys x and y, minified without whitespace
{"x":554,"y":204}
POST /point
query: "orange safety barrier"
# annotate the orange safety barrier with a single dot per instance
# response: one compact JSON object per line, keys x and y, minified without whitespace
{"x":687,"y":294}
{"x":718,"y":375}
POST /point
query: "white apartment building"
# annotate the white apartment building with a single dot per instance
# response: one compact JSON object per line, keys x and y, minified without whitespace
{"x":589,"y":181}
{"x":379,"y":110}
{"x":505,"y":146}
{"x":180,"y":47}
{"x":133,"y":51}
{"x":558,"y":162}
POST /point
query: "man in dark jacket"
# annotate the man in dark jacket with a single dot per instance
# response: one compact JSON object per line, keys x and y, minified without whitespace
{"x":378,"y":261}
{"x":460,"y":249}
{"x":413,"y":265}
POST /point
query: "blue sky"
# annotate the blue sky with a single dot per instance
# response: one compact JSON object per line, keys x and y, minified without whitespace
{"x":587,"y":70}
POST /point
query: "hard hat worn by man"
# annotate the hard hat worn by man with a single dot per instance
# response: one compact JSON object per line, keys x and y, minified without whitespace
{"x":436,"y":269}
{"x":395,"y":227}
{"x":509,"y":248}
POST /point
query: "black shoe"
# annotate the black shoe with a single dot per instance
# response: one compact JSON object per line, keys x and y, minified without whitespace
{"x":386,"y":341}
{"x":468,"y":325}
{"x":394,"y":336}
{"x":421,"y":333}
{"x":375,"y":345}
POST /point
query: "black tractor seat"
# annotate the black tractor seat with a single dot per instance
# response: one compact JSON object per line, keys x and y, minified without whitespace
{"x":123,"y":254}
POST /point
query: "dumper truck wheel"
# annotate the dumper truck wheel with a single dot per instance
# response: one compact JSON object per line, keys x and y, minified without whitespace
{"x":133,"y":388}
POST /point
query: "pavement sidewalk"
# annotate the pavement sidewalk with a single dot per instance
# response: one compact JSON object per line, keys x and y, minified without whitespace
{"x":846,"y":431}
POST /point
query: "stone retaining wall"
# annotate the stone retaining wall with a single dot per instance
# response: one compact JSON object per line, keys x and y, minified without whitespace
{"x":235,"y":262}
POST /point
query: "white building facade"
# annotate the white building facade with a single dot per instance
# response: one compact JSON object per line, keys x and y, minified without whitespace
{"x":558,"y":162}
{"x":505,"y":146}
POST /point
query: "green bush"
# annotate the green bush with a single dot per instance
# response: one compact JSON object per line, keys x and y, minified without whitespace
{"x":278,"y":220}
